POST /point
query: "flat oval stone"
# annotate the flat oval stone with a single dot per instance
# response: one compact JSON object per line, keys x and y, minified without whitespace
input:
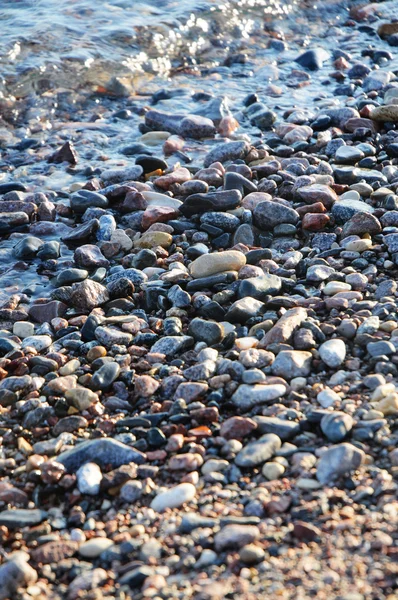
{"x":150,"y":239}
{"x":22,"y":517}
{"x":257,"y":452}
{"x":105,"y":376}
{"x":248,"y":396}
{"x":260,"y":287}
{"x":235,"y":536}
{"x":210,"y":264}
{"x":387,"y":112}
{"x":102,"y":451}
{"x":38,"y":342}
{"x":94,"y":547}
{"x":174,"y":497}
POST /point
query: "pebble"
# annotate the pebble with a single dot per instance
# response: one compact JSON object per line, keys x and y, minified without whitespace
{"x":95,"y":547}
{"x":268,"y":215}
{"x":210,"y":264}
{"x":259,"y":451}
{"x":235,"y":536}
{"x":292,"y":363}
{"x":89,"y":478}
{"x":272,"y":471}
{"x":21,"y":517}
{"x":337,"y":461}
{"x":248,"y":396}
{"x":328,"y":398}
{"x":38,"y":342}
{"x":283,"y":428}
{"x":333,"y":353}
{"x":105,"y":451}
{"x":16,"y":573}
{"x":336,"y":426}
{"x":174,"y":497}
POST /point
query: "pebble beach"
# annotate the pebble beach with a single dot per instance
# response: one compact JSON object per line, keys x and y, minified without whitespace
{"x":199,"y":301}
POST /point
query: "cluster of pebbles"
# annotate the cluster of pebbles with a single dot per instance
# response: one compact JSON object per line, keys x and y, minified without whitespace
{"x":199,"y":386}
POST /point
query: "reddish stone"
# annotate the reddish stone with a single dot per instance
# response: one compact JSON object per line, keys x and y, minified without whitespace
{"x":356,"y":122}
{"x":366,"y":110}
{"x":133,"y":201}
{"x":340,"y":188}
{"x":236,"y":428}
{"x":180,"y":175}
{"x":211,"y":176}
{"x":341,"y":63}
{"x":53,"y":552}
{"x":227,"y":126}
{"x":201,"y":431}
{"x":315,"y":222}
{"x":317,"y":192}
{"x":284,"y":328}
{"x":306,"y":531}
{"x":14,"y":496}
{"x":173,"y":144}
{"x":209,"y":414}
{"x":52,"y":471}
{"x":189,"y":461}
{"x":158,"y":214}
{"x":317,"y":207}
{"x":145,"y":385}
{"x":156,"y":455}
{"x":66,"y":153}
{"x":338,"y":303}
{"x":88,"y":294}
{"x":44,"y":313}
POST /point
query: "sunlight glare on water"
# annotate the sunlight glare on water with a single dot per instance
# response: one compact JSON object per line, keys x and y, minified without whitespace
{"x":87,"y":41}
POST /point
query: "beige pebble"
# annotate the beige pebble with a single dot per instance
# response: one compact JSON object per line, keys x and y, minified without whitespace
{"x":389,"y":405}
{"x":381,"y":391}
{"x":273,"y":470}
{"x":70,"y":367}
{"x":209,"y":264}
{"x":359,"y":245}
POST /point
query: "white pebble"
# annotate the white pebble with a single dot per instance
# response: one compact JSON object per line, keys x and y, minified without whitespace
{"x":333,"y":352}
{"x":327,"y":398}
{"x":174,"y":497}
{"x":89,"y":477}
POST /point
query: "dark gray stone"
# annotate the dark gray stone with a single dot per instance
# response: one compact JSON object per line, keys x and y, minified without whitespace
{"x":104,"y":452}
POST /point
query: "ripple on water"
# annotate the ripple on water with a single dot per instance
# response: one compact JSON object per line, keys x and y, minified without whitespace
{"x":56,"y":42}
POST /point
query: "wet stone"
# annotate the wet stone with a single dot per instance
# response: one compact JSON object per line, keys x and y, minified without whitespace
{"x":105,"y":376}
{"x":28,"y":247}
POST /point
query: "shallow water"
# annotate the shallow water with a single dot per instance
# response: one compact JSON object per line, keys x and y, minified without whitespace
{"x":75,"y":42}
